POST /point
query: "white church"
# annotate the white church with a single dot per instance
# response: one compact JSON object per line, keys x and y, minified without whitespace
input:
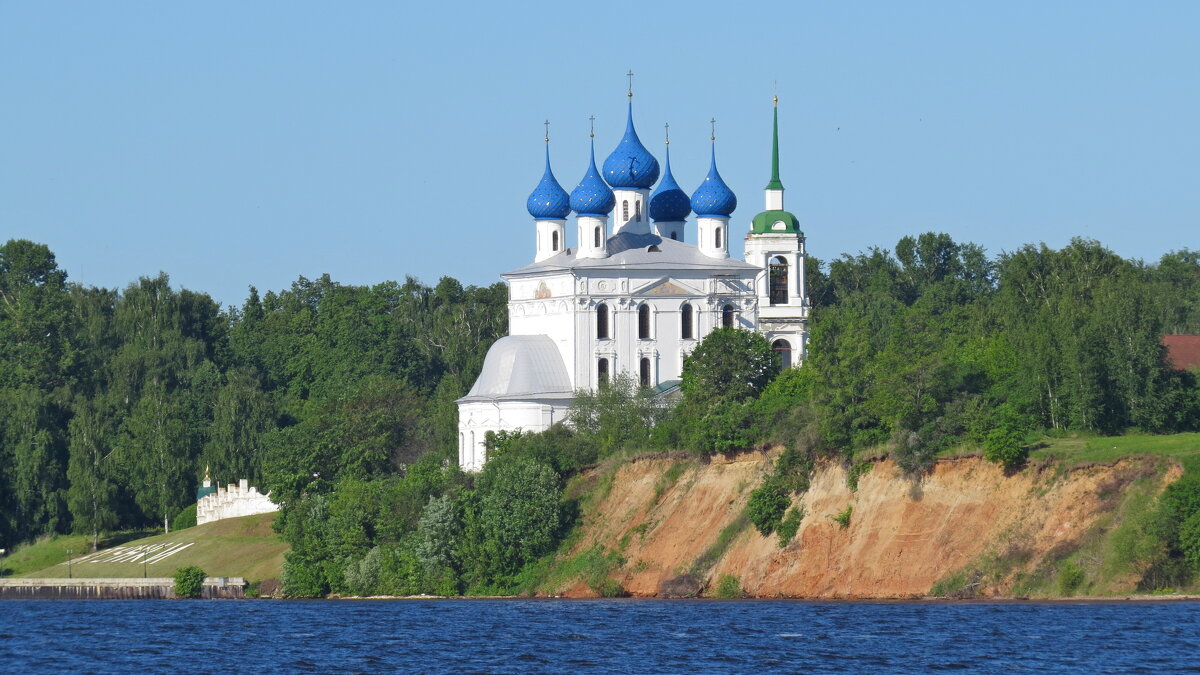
{"x":636,"y":297}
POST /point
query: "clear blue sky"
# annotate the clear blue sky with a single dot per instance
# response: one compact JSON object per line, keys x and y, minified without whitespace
{"x":233,"y":144}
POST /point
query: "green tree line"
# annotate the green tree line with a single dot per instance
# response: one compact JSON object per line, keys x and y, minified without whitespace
{"x":112,"y":402}
{"x":340,"y":399}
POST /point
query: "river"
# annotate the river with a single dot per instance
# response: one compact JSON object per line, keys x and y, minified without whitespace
{"x":595,"y":636}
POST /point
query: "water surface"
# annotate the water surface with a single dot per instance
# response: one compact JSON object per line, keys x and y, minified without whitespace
{"x":593,"y":636}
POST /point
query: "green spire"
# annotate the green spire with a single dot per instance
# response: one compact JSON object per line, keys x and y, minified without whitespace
{"x":775,"y":184}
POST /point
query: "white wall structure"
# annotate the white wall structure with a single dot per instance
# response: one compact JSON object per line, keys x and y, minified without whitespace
{"x":634,"y":301}
{"x":233,"y":501}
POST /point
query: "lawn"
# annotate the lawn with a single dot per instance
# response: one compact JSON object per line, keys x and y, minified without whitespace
{"x":1184,"y":447}
{"x":237,"y":547}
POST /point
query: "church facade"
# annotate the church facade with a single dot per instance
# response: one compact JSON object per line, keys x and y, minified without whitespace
{"x":635,"y":297}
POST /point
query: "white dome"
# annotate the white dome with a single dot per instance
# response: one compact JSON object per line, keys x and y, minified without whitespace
{"x":524,"y":366}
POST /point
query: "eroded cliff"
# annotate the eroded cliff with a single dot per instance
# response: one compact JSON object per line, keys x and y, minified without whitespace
{"x":677,"y":525}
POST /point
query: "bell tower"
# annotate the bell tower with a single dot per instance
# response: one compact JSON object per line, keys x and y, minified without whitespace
{"x":775,"y":244}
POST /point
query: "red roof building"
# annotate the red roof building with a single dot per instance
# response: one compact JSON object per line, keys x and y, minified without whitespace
{"x":1183,"y":351}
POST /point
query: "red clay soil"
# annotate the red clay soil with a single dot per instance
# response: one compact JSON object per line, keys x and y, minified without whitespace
{"x":904,"y":534}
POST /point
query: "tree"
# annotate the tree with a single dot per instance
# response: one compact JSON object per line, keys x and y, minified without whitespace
{"x":729,"y":364}
{"x":91,"y":496}
{"x":152,"y":449}
{"x":241,"y":416}
{"x":514,"y":518}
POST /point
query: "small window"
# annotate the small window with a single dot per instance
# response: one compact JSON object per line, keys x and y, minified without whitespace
{"x":644,"y":372}
{"x":554,"y":241}
{"x":625,"y":209}
{"x":644,"y":322}
{"x":596,"y":237}
{"x":784,"y":350}
{"x":602,"y":322}
{"x":637,"y":211}
{"x":685,"y":322}
{"x":674,"y":235}
{"x":727,"y":316}
{"x":602,"y":371}
{"x":718,"y":237}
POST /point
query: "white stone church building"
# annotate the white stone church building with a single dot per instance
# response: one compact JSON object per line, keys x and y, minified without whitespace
{"x":635,"y":297}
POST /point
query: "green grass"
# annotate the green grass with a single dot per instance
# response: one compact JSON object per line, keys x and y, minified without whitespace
{"x":237,"y":547}
{"x":710,"y":556}
{"x":51,"y":550}
{"x":1079,"y":449}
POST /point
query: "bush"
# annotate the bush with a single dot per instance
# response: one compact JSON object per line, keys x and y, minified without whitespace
{"x":189,"y":582}
{"x":856,"y":472}
{"x":728,"y":587}
{"x":1005,"y":442}
{"x":185,"y":518}
{"x":790,"y":525}
{"x":843,"y":518}
{"x":1189,"y":540}
{"x":361,"y":577}
{"x":766,"y":507}
{"x":302,"y":577}
{"x":1070,"y":578}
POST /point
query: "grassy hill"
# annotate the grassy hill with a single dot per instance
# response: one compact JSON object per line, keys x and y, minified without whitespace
{"x":237,"y":547}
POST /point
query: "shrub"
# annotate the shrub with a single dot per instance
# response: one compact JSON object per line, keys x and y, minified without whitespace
{"x":1003,"y":445}
{"x":302,"y":577}
{"x":856,"y":472}
{"x":609,"y":588}
{"x":728,"y":587}
{"x":790,"y":525}
{"x":185,"y":518}
{"x":843,"y":518}
{"x":189,"y":582}
{"x":1070,"y":578}
{"x":361,"y":576}
{"x":1189,"y":540}
{"x":766,"y":507}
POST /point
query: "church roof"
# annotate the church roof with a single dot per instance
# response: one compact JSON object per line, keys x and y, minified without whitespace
{"x":548,"y":201}
{"x":592,"y":197}
{"x":521,"y":367}
{"x":631,"y":165}
{"x":627,"y":250}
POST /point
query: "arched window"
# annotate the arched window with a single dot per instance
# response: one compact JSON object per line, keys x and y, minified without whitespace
{"x":602,"y":322}
{"x":674,"y":235}
{"x":624,"y":209}
{"x":727,"y":316}
{"x":602,"y":371}
{"x":596,"y":237}
{"x":784,"y":349}
{"x":554,"y":240}
{"x":644,"y":322}
{"x":718,"y":237}
{"x":637,"y":211}
{"x":644,"y":372}
{"x":779,"y":281}
{"x":685,"y":322}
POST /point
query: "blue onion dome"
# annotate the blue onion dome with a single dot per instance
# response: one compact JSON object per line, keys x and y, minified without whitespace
{"x":631,"y":166}
{"x":669,"y":203}
{"x":713,"y":199}
{"x":548,"y":201}
{"x":592,"y":196}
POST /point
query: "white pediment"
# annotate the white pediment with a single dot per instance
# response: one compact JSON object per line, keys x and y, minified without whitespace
{"x":667,"y":286}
